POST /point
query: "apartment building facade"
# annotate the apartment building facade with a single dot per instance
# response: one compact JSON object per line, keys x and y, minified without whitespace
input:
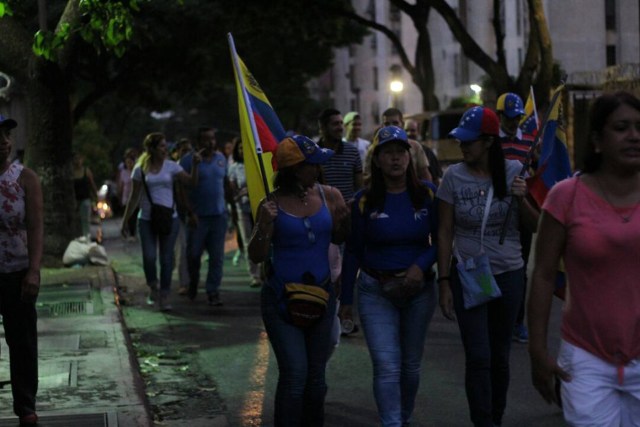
{"x":588,"y":36}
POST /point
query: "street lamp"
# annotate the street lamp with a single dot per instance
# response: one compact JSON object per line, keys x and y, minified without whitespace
{"x":476,"y":88}
{"x":395,"y":86}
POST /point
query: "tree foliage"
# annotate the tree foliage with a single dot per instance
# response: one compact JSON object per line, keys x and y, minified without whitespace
{"x":88,"y":58}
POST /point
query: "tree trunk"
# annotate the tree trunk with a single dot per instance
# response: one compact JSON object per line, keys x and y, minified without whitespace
{"x":425,"y":76}
{"x":49,"y":146}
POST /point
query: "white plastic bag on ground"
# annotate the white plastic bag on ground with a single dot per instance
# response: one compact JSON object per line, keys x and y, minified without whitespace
{"x":82,"y":251}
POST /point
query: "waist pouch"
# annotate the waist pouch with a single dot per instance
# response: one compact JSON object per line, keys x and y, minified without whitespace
{"x":306,"y":304}
{"x":394,"y":283}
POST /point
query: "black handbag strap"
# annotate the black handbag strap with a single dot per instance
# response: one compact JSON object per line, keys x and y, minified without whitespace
{"x":146,"y":189}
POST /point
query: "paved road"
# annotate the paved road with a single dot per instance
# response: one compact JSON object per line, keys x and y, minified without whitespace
{"x":229,"y":357}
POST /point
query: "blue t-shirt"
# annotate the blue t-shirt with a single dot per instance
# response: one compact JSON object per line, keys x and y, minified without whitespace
{"x":468,"y":195}
{"x":391,"y":239}
{"x":207,"y":198}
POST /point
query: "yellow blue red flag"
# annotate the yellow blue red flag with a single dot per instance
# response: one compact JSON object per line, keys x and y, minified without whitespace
{"x":260,"y":130}
{"x":529,"y":122}
{"x":553,"y":163}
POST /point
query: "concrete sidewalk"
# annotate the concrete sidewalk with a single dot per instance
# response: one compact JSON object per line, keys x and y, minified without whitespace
{"x":87,"y":375}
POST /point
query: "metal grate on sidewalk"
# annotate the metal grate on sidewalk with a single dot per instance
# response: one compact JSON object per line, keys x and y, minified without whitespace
{"x":106,"y":419}
{"x":68,"y":299}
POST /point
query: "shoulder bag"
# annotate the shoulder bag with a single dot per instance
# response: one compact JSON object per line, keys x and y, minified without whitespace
{"x":478,"y":284}
{"x":161,"y":216}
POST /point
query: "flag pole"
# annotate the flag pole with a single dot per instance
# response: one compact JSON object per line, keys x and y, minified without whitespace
{"x":247,"y":103}
{"x":527,"y":160}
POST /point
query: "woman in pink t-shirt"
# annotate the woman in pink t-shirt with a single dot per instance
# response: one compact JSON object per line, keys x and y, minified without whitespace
{"x":593,"y":222}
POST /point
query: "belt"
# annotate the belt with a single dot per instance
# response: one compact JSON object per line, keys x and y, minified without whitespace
{"x":390,"y":274}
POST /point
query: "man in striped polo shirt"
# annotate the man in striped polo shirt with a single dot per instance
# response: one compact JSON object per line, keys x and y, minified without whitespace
{"x":516,"y":145}
{"x":344,"y":169}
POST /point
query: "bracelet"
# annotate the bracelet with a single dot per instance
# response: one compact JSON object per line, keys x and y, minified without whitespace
{"x":443,"y":278}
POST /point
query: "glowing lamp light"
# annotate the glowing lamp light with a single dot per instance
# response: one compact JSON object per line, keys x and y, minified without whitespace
{"x":396,"y":86}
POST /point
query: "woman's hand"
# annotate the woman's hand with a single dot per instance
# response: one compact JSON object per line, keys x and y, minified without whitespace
{"x":414,"y":274}
{"x":544,"y":374}
{"x":30,"y":285}
{"x":267,"y":213}
{"x":446,"y":300}
{"x":519,"y":187}
{"x":124,"y":229}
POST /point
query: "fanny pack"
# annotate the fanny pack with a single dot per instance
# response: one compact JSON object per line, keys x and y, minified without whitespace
{"x":394,"y":284}
{"x":306,"y":304}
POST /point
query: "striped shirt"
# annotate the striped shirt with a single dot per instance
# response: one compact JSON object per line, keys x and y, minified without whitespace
{"x":516,"y":147}
{"x":341,"y":169}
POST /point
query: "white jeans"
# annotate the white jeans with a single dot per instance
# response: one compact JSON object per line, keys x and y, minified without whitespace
{"x":595,"y":396}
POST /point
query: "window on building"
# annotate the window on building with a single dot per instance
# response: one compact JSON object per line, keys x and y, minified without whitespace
{"x":457,"y":81}
{"x":519,"y":57}
{"x":394,"y":13}
{"x":611,"y":55}
{"x":462,"y":11}
{"x":371,"y":10}
{"x":352,"y":77}
{"x":352,"y":51}
{"x":610,"y":14}
{"x":374,"y":43}
{"x":375,"y":78}
{"x":519,"y":17}
{"x":394,"y":49}
{"x":501,"y":17}
{"x":353,"y":105}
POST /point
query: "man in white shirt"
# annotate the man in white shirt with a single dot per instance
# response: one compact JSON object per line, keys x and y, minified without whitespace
{"x":353,"y":127}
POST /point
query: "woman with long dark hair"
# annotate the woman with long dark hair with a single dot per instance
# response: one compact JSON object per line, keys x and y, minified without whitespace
{"x":592,"y":221}
{"x":392,"y":243}
{"x":486,"y":329}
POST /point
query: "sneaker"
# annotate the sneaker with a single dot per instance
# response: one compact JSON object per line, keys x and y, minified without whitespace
{"x":164,"y":304}
{"x":236,"y":257}
{"x":520,"y":333}
{"x":214,"y":299}
{"x":152,"y":296}
{"x":183,"y":290}
{"x":29,"y":420}
{"x":255,"y":283}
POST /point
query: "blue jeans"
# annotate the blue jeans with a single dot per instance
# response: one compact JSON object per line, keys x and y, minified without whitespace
{"x":395,"y":332}
{"x":208,"y":234}
{"x":486,"y":333}
{"x":302,"y":356}
{"x":149,"y":241}
{"x":19,"y":321}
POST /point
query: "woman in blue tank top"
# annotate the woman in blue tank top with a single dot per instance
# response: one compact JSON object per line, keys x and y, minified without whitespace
{"x":294,"y":227}
{"x":392,"y":243}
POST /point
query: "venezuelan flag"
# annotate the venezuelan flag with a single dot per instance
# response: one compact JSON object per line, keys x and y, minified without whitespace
{"x":553,"y":163}
{"x":260,"y":130}
{"x":529,"y":122}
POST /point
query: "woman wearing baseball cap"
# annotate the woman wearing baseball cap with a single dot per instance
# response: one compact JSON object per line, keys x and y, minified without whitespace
{"x":486,"y":329}
{"x":392,"y":243}
{"x":294,"y":227}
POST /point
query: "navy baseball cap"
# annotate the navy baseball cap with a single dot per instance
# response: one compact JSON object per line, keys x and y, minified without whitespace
{"x":8,"y":123}
{"x":298,"y":149}
{"x":475,"y":122}
{"x":392,"y":133}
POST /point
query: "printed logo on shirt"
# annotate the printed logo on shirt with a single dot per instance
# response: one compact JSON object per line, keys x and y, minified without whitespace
{"x":422,"y":213}
{"x":378,"y":215}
